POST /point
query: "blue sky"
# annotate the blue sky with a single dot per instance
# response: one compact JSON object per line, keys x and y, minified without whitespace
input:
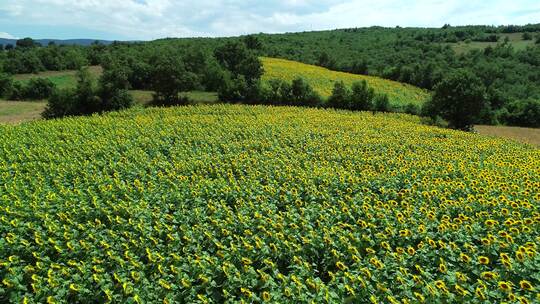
{"x":152,"y":19}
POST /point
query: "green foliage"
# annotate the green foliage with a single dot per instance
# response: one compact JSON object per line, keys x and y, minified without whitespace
{"x":418,"y":56}
{"x":236,"y":58}
{"x":37,"y":88}
{"x":362,"y":96}
{"x":527,"y":36}
{"x":276,"y":92}
{"x":459,"y":98}
{"x":359,"y":98}
{"x":525,"y":113}
{"x":238,"y":89}
{"x":340,"y":96}
{"x":26,"y":43}
{"x":303,"y":94}
{"x":381,"y":103}
{"x":169,"y":79}
{"x":110,"y":95}
{"x":6,"y":84}
{"x":297,"y":93}
{"x":253,"y":42}
{"x":114,"y":86}
{"x":63,"y":102}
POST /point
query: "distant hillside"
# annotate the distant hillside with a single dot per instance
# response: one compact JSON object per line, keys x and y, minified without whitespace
{"x":82,"y":42}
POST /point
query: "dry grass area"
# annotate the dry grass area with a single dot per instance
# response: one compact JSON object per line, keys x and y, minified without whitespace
{"x":526,"y":135}
{"x":15,"y":112}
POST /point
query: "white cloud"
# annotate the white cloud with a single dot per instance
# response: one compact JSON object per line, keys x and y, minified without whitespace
{"x":7,"y":36}
{"x":150,"y":19}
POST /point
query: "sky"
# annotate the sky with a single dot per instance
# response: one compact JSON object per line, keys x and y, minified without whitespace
{"x":153,"y":19}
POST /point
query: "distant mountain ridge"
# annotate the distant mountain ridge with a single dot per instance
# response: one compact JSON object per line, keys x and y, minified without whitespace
{"x":45,"y":42}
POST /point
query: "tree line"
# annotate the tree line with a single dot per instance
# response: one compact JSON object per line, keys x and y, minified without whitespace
{"x":509,"y":79}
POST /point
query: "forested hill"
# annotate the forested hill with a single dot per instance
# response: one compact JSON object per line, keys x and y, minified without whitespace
{"x":506,"y":59}
{"x":45,"y":42}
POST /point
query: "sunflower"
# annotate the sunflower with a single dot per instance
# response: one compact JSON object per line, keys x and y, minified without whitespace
{"x":488,"y":275}
{"x":266,"y":296}
{"x":483,"y":260}
{"x":526,"y":285}
{"x":341,"y":266}
{"x":479,"y":293}
{"x":443,"y":268}
{"x":505,"y":286}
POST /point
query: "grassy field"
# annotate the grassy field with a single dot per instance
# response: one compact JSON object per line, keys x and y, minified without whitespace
{"x":15,"y":112}
{"x":216,"y":203}
{"x":62,"y":79}
{"x":526,"y":135}
{"x":515,"y":39}
{"x":323,"y":81}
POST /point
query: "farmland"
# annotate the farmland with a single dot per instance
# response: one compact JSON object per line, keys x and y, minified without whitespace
{"x":322,"y":80}
{"x":227,"y":203}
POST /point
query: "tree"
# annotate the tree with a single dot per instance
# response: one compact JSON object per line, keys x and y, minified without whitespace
{"x":8,"y":47}
{"x":87,"y":101}
{"x":360,"y":67}
{"x":213,"y":76}
{"x":381,"y":103}
{"x":277,"y":92}
{"x":26,"y":43}
{"x":82,"y":100}
{"x":302,"y":94}
{"x":235,"y":57}
{"x":38,"y":88}
{"x":252,"y":42}
{"x":361,"y":98}
{"x":6,"y":84}
{"x":340,"y":96}
{"x":524,"y":113}
{"x":114,"y":86}
{"x":460,"y":98}
{"x":60,"y":104}
{"x":527,"y":36}
{"x":326,"y":61}
{"x":169,"y":79}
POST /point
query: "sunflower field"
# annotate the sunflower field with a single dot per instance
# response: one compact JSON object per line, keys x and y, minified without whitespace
{"x":250,"y":204}
{"x":322,"y":80}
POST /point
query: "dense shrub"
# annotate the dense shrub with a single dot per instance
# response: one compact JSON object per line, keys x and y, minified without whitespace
{"x":111,"y":94}
{"x":381,"y":103}
{"x":524,"y":113}
{"x":276,"y":92}
{"x":238,"y":89}
{"x":359,"y":98}
{"x":340,"y":96}
{"x":38,"y":88}
{"x":63,"y":102}
{"x":362,"y":96}
{"x":6,"y":84}
{"x":302,"y":94}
